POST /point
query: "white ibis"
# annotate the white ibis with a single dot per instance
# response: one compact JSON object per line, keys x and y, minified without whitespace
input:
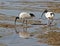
{"x":49,"y":16}
{"x":24,"y":16}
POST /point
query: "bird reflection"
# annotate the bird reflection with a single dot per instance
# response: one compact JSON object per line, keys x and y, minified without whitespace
{"x":24,"y":33}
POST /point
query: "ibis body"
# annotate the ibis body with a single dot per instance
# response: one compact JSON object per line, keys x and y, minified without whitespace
{"x":49,"y":16}
{"x":24,"y":16}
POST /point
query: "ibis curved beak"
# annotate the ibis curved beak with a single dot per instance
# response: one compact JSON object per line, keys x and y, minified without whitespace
{"x":42,"y":14}
{"x":16,"y":19}
{"x":15,"y":24}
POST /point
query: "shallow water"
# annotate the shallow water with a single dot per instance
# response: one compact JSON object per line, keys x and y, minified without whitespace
{"x":13,"y":8}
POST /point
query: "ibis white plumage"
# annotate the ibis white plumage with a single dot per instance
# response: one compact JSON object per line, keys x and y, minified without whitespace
{"x":24,"y":16}
{"x":49,"y":16}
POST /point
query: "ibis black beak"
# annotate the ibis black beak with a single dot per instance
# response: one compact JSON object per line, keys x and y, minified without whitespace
{"x":16,"y":19}
{"x":42,"y":14}
{"x":15,"y":25}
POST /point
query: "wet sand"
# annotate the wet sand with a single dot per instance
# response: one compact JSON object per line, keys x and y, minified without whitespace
{"x":52,"y":38}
